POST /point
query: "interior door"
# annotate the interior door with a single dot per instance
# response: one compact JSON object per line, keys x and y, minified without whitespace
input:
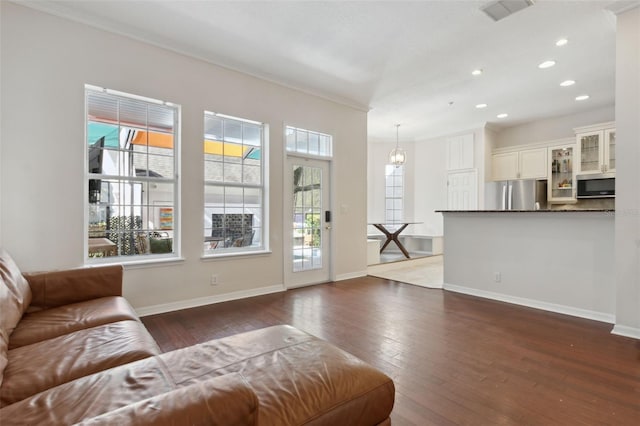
{"x":462,"y":190}
{"x":307,"y":222}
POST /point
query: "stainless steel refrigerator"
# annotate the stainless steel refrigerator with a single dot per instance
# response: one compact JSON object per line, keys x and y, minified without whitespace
{"x":527,"y":194}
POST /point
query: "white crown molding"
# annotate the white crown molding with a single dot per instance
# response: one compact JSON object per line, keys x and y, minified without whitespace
{"x":618,"y":7}
{"x":534,"y":145}
{"x":595,"y":127}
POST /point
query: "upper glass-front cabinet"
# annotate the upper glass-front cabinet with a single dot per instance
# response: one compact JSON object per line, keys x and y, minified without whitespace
{"x":562,"y":179}
{"x":610,"y":153}
{"x":590,"y":146}
{"x":596,"y":151}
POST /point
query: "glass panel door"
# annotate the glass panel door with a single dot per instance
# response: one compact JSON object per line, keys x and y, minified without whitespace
{"x":307,"y":223}
{"x":307,"y":208}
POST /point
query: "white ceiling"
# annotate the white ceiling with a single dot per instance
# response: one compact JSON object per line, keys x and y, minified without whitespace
{"x":405,"y":61}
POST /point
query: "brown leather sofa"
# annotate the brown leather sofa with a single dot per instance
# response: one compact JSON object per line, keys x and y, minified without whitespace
{"x":72,"y":350}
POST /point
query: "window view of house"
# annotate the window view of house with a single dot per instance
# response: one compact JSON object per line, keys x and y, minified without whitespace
{"x":234,"y":184}
{"x":132,"y":179}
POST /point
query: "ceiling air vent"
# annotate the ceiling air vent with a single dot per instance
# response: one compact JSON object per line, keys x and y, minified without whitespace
{"x":498,"y":10}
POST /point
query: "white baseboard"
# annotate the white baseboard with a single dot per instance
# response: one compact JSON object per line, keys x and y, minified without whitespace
{"x":623,"y":330}
{"x":207,"y":300}
{"x":531,"y":303}
{"x":351,"y":275}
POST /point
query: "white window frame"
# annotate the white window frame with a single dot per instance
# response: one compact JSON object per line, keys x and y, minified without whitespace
{"x":132,"y":180}
{"x":299,"y":141}
{"x":260,"y":222}
{"x":393,"y":213}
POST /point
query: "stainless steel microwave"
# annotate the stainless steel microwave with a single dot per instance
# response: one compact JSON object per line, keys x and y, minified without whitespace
{"x":596,"y":186}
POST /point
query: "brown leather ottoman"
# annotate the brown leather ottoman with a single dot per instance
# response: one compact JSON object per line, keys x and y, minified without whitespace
{"x":298,"y":378}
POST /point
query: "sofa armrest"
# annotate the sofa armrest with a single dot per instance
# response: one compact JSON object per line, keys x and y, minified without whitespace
{"x":225,"y":400}
{"x":56,"y":288}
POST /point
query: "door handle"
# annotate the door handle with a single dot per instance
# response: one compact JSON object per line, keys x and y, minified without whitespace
{"x":328,"y":227}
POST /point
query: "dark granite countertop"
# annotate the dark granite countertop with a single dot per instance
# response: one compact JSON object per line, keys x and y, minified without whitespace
{"x":531,"y":211}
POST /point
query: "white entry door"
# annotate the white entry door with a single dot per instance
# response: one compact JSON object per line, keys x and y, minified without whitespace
{"x":307,"y":222}
{"x":462,"y":190}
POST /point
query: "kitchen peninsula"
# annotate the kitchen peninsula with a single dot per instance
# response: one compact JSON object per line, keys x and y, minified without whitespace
{"x":557,"y":260}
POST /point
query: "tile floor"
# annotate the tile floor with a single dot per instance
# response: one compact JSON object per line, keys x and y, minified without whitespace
{"x":422,"y":271}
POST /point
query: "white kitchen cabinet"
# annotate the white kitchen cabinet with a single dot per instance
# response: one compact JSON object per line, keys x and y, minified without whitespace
{"x":533,"y":163}
{"x":460,"y":152}
{"x":525,"y":164}
{"x":595,"y":149}
{"x":505,"y":166}
{"x":561,"y":183}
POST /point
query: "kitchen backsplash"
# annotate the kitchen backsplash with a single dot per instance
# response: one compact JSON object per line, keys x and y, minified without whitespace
{"x":587,"y":204}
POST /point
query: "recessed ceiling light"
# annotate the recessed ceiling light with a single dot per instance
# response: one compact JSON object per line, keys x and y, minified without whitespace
{"x":547,"y":64}
{"x":479,"y":106}
{"x":567,"y":83}
{"x":503,"y":115}
{"x":476,"y":72}
{"x":582,"y":97}
{"x":562,"y":42}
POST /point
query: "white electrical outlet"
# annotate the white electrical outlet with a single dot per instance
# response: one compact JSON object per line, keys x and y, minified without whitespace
{"x":214,"y":279}
{"x":498,"y":277}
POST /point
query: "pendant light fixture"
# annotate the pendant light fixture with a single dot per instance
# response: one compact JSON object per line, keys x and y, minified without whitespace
{"x":397,"y":156}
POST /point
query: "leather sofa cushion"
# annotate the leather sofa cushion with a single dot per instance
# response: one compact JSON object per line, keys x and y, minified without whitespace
{"x":225,"y":400}
{"x":42,"y":325}
{"x":298,"y":378}
{"x":140,"y":392}
{"x":40,"y":366}
{"x":91,"y":395}
{"x":57,"y":288}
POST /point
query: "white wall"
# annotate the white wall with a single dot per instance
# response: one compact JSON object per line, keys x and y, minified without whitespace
{"x":552,"y":128}
{"x":627,"y":230}
{"x":557,"y":261}
{"x":431,"y":185}
{"x":46,"y":61}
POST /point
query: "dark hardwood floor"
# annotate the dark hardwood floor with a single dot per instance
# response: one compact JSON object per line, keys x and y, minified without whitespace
{"x":455,"y":359}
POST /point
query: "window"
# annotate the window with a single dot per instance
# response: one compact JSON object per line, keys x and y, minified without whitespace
{"x":394,"y":195}
{"x":233,"y":184}
{"x":132,"y":180}
{"x":307,"y":142}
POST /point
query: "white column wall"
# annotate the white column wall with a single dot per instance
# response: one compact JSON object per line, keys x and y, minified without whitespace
{"x":627,"y":230}
{"x":46,"y":61}
{"x":431,"y":185}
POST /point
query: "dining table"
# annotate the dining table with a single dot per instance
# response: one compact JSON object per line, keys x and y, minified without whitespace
{"x":387,"y":228}
{"x":104,"y":246}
